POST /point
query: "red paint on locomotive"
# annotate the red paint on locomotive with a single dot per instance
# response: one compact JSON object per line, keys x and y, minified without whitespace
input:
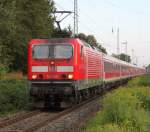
{"x":84,"y":62}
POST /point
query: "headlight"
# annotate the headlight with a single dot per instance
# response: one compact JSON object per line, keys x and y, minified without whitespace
{"x":70,"y":76}
{"x":34,"y":76}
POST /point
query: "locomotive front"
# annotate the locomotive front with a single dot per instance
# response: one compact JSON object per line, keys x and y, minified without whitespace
{"x":51,"y":69}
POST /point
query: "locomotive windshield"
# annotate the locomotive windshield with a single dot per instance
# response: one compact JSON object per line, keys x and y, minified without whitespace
{"x":52,"y":51}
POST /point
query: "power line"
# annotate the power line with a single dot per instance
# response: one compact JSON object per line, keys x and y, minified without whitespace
{"x":118,"y":41}
{"x":92,"y":21}
{"x":76,"y":13}
{"x":58,"y":5}
{"x":83,"y":24}
{"x":127,"y":10}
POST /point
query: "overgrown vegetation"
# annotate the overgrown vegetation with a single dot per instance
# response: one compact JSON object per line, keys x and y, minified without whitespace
{"x":126,"y":109}
{"x":90,"y":39}
{"x":13,"y":95}
{"x":123,"y":57}
{"x":3,"y":71}
{"x":22,"y":20}
{"x":140,"y":81}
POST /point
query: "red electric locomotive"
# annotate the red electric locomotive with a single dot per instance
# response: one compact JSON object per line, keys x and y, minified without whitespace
{"x":62,"y":71}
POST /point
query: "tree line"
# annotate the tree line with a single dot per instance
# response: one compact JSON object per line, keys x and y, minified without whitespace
{"x":148,"y":69}
{"x":20,"y":21}
{"x":123,"y":57}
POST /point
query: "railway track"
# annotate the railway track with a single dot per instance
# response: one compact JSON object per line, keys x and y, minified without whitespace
{"x":15,"y":119}
{"x":35,"y":120}
{"x":59,"y":115}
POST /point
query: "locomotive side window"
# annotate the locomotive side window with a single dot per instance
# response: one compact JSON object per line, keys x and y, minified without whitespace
{"x":40,"y":52}
{"x":81,"y":51}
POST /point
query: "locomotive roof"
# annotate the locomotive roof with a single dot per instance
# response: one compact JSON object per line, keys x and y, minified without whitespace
{"x":65,"y":40}
{"x":54,"y":39}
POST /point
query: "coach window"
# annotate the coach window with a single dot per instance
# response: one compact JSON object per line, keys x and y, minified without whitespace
{"x":114,"y":66}
{"x":111,"y":67}
{"x":107,"y":66}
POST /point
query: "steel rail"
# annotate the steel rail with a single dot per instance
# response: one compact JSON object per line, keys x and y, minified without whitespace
{"x":16,"y":119}
{"x":58,"y":116}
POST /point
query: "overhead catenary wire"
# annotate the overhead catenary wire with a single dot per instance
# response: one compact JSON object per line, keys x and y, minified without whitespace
{"x":126,"y":10}
{"x":93,"y":26}
{"x":90,"y":18}
{"x":90,"y":29}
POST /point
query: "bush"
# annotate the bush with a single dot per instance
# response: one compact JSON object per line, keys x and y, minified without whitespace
{"x":143,"y":94}
{"x":13,"y":95}
{"x":118,"y":107}
{"x":3,"y":70}
{"x":144,"y":81}
{"x":126,"y":109}
{"x":140,"y":81}
{"x":108,"y":128}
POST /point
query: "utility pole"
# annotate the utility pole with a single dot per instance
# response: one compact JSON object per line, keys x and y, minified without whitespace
{"x":118,"y":41}
{"x":125,"y":43}
{"x":75,"y":17}
{"x":132,"y":56}
{"x":136,"y":60}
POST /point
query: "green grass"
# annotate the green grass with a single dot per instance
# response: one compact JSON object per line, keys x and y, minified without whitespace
{"x":13,"y":95}
{"x":126,"y":109}
{"x":140,"y":81}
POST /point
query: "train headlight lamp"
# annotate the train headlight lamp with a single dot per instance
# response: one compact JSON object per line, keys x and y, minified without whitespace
{"x":34,"y":76}
{"x":70,"y":76}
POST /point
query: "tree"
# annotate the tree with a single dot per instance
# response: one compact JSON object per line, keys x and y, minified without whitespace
{"x":102,"y":49}
{"x":148,"y":69}
{"x":123,"y":57}
{"x":90,"y":39}
{"x":64,"y":33}
{"x":22,"y":21}
{"x":82,"y":36}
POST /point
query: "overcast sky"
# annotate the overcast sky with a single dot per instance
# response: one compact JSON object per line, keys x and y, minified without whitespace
{"x":98,"y":17}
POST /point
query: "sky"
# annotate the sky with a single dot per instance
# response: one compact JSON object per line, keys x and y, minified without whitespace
{"x":99,"y":17}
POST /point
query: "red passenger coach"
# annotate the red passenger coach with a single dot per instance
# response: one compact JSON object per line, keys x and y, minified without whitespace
{"x":116,"y":71}
{"x":62,"y":69}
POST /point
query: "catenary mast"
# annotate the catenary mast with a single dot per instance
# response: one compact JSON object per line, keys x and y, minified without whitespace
{"x":75,"y":17}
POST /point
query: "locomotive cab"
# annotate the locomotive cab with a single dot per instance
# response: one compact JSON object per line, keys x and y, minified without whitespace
{"x":54,"y":61}
{"x":51,"y":68}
